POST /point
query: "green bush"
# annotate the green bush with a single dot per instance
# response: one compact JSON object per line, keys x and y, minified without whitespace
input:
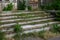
{"x":21,"y":5}
{"x":55,"y":28}
{"x":57,"y":18}
{"x":55,"y":5}
{"x":29,"y":8}
{"x":9,"y":7}
{"x":42,"y":7}
{"x":49,"y":7}
{"x":17,"y":28}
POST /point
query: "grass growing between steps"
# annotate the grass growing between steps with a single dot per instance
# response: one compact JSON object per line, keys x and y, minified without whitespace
{"x":26,"y":22}
{"x":45,"y":35}
{"x":24,"y":14}
{"x":41,"y":34}
{"x":40,"y":22}
{"x":22,"y":17}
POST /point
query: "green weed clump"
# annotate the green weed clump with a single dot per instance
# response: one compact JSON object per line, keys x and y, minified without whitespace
{"x":9,"y":7}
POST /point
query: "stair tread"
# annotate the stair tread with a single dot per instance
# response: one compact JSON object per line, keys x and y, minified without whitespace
{"x":11,"y":24}
{"x":24,"y":20}
{"x":35,"y":30}
{"x":15,"y":17}
{"x":28,"y":22}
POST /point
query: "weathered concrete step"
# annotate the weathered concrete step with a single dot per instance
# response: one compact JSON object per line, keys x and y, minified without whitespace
{"x":22,"y":12}
{"x":6,"y":31}
{"x":11,"y":31}
{"x":31,"y":27}
{"x":24,"y":17}
{"x":28,"y":16}
{"x":35,"y":30}
{"x":15,"y":17}
{"x":26,"y":22}
{"x":31,"y":23}
{"x":20,"y":20}
{"x":12,"y":26}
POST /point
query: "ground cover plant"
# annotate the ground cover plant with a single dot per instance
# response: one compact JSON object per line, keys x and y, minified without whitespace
{"x":18,"y":31}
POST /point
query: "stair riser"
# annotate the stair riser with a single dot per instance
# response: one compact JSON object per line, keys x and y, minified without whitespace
{"x":26,"y":23}
{"x":22,"y":12}
{"x":38,"y":26}
{"x":28,"y":29}
{"x":15,"y":17}
{"x":31,"y":31}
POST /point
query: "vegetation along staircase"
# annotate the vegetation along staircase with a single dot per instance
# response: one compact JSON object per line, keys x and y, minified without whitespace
{"x":29,"y":21}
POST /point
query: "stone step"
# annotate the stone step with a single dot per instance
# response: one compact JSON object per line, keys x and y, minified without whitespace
{"x":31,"y":27}
{"x":15,"y":17}
{"x":23,"y":21}
{"x":35,"y":30}
{"x":7,"y":28}
{"x":26,"y":17}
{"x":26,"y":23}
{"x":22,"y":12}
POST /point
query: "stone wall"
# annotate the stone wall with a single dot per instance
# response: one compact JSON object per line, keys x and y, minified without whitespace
{"x":4,"y":4}
{"x":0,"y":7}
{"x":34,"y":5}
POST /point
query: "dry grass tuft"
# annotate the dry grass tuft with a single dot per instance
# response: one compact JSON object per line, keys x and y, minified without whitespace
{"x":48,"y":35}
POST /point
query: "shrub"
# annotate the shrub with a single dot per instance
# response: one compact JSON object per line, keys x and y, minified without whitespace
{"x":57,"y":16}
{"x":29,"y":8}
{"x":9,"y":7}
{"x":55,"y":28}
{"x":55,"y":5}
{"x":49,"y":7}
{"x":17,"y":28}
{"x":42,"y":7}
{"x":21,"y":5}
{"x":18,"y":31}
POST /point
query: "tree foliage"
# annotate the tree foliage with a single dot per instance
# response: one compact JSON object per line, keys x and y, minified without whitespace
{"x":54,"y":5}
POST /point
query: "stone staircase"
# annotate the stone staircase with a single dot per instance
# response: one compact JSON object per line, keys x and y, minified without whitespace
{"x":29,"y":21}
